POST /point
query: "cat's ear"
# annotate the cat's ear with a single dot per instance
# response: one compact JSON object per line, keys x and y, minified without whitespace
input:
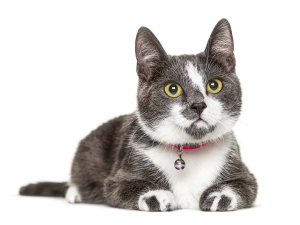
{"x":149,"y":52}
{"x":220,"y":45}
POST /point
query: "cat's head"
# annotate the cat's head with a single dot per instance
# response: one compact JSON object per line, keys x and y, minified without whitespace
{"x":187,"y":98}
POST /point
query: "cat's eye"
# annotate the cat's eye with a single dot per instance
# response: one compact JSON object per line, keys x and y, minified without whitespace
{"x":173,"y":90}
{"x":214,"y":86}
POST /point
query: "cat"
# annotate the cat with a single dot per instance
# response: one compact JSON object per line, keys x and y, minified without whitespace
{"x":187,"y":107}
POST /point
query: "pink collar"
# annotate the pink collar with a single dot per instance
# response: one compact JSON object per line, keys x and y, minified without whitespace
{"x":187,"y":147}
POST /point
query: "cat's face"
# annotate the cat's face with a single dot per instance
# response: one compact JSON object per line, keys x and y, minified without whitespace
{"x":187,"y":98}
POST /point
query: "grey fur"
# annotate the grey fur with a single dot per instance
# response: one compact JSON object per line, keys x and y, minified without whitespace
{"x":108,"y":168}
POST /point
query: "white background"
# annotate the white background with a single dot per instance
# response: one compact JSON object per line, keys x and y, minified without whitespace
{"x":68,"y":66}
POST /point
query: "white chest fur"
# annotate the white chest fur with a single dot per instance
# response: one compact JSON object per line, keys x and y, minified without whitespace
{"x":202,"y":168}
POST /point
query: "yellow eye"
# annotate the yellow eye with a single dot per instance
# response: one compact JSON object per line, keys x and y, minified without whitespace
{"x":214,"y":86}
{"x":173,"y":90}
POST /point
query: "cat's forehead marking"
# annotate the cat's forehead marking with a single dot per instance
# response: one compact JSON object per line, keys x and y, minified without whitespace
{"x":195,"y":77}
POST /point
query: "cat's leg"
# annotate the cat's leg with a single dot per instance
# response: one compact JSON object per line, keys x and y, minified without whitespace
{"x":137,"y":194}
{"x":229,"y":196}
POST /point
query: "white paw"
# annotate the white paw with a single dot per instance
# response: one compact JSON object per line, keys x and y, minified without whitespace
{"x":158,"y":200}
{"x":226,"y":200}
{"x":73,"y":195}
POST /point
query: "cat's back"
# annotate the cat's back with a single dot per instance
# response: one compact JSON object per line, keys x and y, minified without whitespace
{"x":98,"y":151}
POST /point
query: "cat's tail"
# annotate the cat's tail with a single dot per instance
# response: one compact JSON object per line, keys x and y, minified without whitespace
{"x":49,"y":189}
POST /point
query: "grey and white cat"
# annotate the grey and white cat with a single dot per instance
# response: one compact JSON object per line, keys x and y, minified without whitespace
{"x":128,"y":162}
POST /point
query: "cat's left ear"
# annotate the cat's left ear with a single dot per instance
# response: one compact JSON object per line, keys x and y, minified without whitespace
{"x":220,"y":45}
{"x":150,"y":54}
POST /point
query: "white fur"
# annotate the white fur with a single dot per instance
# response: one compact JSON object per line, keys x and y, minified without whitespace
{"x":147,"y":57}
{"x":202,"y":168}
{"x":196,"y":77}
{"x":228,"y":192}
{"x":224,"y":126}
{"x":178,"y":118}
{"x":213,"y":112}
{"x":73,"y":195}
{"x":164,"y":198}
{"x":168,"y":130}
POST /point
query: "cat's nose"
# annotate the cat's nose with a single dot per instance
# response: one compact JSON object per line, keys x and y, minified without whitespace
{"x":199,"y":107}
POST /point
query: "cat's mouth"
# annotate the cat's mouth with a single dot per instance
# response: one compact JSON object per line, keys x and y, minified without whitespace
{"x":200,"y":120}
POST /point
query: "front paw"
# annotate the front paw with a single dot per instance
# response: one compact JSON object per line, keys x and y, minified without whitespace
{"x":224,"y":200}
{"x":158,"y":200}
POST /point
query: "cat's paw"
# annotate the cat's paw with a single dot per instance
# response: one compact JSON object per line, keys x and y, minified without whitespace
{"x":73,"y":195}
{"x":158,"y":200}
{"x":225,"y":200}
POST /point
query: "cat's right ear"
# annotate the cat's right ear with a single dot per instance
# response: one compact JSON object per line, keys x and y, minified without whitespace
{"x":149,"y":53}
{"x":220,"y":45}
